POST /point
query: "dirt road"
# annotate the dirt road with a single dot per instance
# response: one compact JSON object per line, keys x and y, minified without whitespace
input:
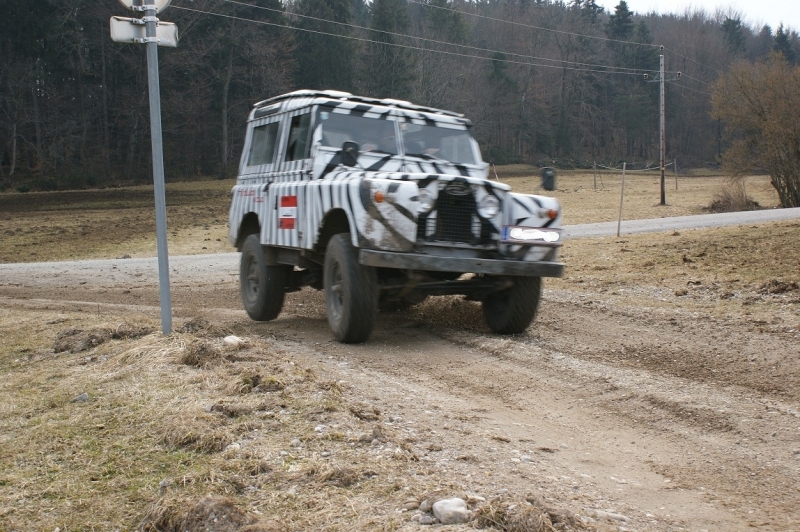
{"x":634,"y":418}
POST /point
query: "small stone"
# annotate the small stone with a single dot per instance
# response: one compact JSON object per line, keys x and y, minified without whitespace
{"x":525,"y":458}
{"x":232,"y":340}
{"x":451,"y":511}
{"x":82,"y":398}
{"x":426,"y":520}
{"x":610,"y":516}
{"x":162,"y":487}
{"x":296,"y":443}
{"x":376,"y":442}
{"x":411,"y":504}
{"x":416,"y":517}
{"x":325,"y":454}
{"x":425,"y":506}
{"x":319,"y":428}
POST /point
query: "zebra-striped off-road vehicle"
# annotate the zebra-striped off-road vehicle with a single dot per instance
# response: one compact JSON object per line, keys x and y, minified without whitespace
{"x":381,"y":203}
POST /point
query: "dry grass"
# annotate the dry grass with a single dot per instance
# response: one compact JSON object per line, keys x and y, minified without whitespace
{"x":113,"y":223}
{"x":165,"y":444}
{"x":741,"y":272}
{"x":110,"y":223}
{"x":582,"y":203}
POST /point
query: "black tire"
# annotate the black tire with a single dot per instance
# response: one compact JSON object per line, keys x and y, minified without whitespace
{"x":512,"y":311}
{"x":263,"y":287}
{"x":351,"y":292}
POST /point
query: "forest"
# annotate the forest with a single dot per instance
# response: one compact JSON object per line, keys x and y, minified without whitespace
{"x":545,"y":82}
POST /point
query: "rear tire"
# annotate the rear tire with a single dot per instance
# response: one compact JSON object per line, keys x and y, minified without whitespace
{"x":512,"y":311}
{"x":263,"y":287}
{"x":351,"y":292}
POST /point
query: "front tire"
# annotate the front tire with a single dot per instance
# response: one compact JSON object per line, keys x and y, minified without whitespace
{"x":263,"y":287}
{"x":512,"y":310}
{"x":351,"y":292}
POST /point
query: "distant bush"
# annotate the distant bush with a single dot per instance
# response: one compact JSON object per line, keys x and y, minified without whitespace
{"x":732,"y":197}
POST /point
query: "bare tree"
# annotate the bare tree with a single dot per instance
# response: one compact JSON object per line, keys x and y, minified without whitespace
{"x":760,"y":106}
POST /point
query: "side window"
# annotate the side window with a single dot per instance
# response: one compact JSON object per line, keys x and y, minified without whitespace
{"x":297,"y":146}
{"x":262,"y":148}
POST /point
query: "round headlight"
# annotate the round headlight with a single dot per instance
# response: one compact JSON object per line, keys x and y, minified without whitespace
{"x":426,"y":201}
{"x":488,"y":206}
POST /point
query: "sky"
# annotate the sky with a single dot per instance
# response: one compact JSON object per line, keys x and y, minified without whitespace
{"x":755,"y":13}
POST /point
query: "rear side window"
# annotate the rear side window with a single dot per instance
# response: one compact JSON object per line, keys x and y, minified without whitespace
{"x":262,"y":148}
{"x":297,"y":146}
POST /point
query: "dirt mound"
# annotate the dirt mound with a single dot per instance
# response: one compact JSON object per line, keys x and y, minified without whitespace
{"x":203,"y":328}
{"x":216,"y":513}
{"x":774,"y":286}
{"x":77,"y":340}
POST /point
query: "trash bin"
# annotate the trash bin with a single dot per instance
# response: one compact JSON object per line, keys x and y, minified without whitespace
{"x":548,"y":178}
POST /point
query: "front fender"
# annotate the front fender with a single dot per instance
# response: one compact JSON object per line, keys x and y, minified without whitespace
{"x":388,"y":220}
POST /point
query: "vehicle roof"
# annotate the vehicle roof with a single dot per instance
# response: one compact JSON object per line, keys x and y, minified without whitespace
{"x":363,"y":104}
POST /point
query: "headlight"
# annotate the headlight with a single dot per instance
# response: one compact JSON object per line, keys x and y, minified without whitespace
{"x":488,"y":206}
{"x":426,"y":201}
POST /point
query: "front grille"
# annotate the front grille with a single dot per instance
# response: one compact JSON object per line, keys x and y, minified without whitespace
{"x":455,"y":220}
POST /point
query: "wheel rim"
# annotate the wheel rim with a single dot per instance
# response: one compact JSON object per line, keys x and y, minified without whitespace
{"x":336,"y":292}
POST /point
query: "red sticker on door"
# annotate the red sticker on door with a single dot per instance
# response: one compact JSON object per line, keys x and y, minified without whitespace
{"x":287,"y":215}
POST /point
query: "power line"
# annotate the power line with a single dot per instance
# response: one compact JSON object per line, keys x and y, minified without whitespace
{"x":607,"y":39}
{"x":692,"y":60}
{"x":697,"y":80}
{"x":559,"y":62}
{"x":410,"y":47}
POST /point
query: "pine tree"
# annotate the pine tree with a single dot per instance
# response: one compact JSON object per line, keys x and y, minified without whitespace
{"x":784,"y":46}
{"x":325,"y":61}
{"x":620,"y":25}
{"x":734,"y":34}
{"x":387,"y":64}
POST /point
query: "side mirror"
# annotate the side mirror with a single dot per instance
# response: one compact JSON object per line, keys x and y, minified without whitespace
{"x":548,"y":179}
{"x":349,"y":153}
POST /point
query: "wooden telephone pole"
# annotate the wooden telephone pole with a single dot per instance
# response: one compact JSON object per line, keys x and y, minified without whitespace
{"x":662,"y":122}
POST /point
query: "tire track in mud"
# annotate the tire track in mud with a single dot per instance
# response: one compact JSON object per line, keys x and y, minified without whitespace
{"x":714,"y":435}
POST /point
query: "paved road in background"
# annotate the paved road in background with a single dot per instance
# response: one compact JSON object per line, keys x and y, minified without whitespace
{"x":225,"y":266}
{"x":698,"y":221}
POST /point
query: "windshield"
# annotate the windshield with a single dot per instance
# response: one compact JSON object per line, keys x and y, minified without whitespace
{"x":453,"y":144}
{"x":371,"y":134}
{"x":438,"y":142}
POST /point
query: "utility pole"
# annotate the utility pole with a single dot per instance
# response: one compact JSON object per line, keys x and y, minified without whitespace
{"x":150,"y":31}
{"x":662,"y":146}
{"x":662,"y":125}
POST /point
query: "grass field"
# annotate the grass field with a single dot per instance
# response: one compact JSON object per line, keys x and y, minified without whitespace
{"x":109,"y":223}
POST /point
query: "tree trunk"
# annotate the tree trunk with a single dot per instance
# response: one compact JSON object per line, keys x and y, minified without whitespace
{"x":132,"y":146}
{"x":225,"y":92}
{"x":106,"y":135}
{"x":13,"y":152}
{"x":37,"y":122}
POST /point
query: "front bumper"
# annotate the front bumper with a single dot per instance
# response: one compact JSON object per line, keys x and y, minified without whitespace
{"x":415,"y":261}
